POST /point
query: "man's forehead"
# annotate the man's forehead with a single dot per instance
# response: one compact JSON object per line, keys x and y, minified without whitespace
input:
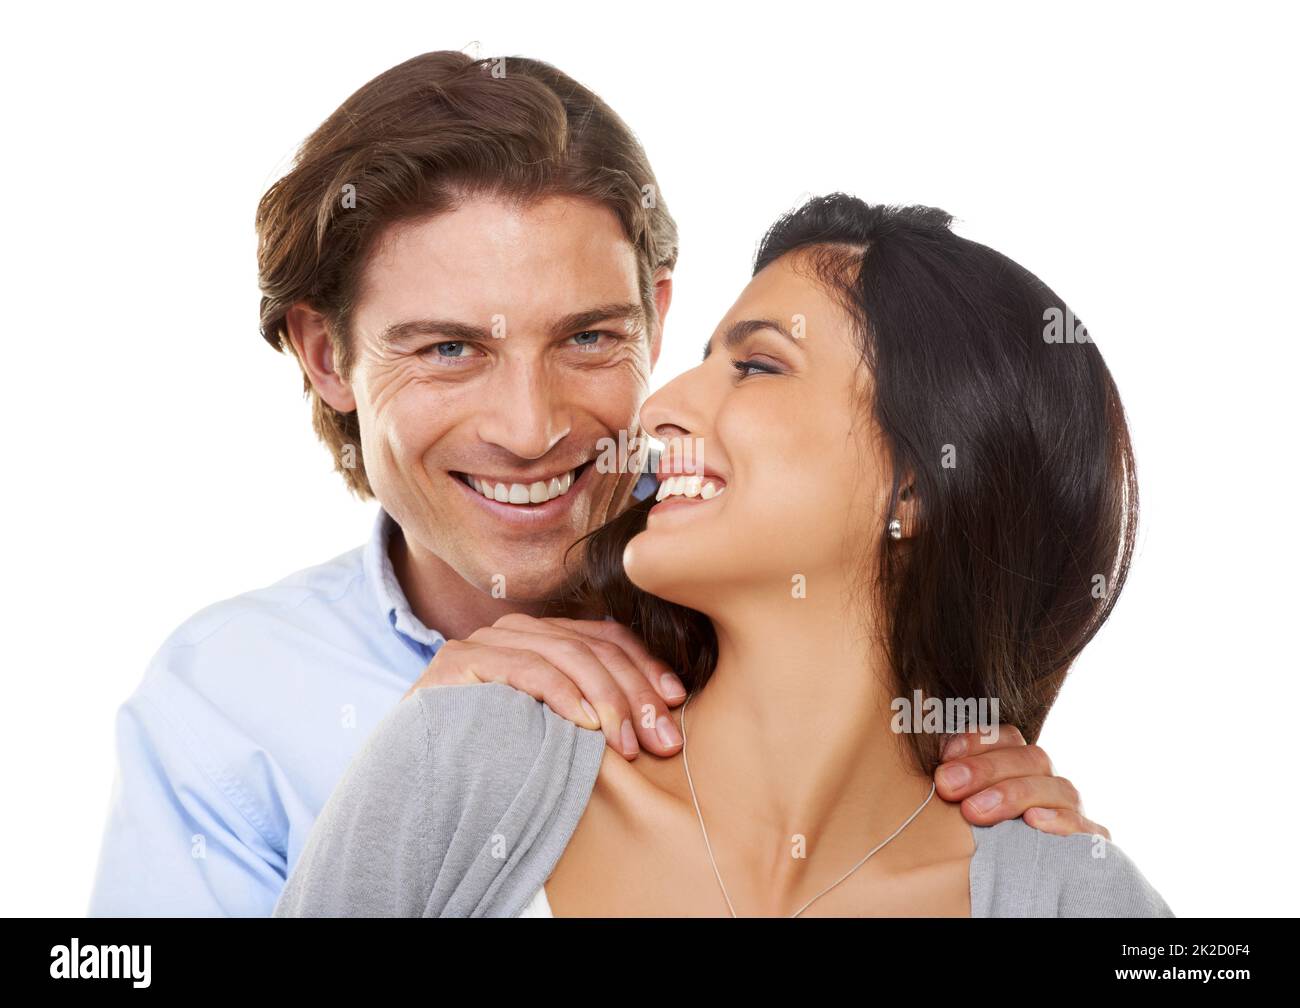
{"x":426,"y":270}
{"x":552,"y":232}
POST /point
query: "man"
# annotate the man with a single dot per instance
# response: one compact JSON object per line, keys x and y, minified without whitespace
{"x":472,"y":265}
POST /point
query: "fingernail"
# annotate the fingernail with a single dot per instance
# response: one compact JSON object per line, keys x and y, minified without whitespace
{"x":671,"y":686}
{"x":956,"y":747}
{"x":986,"y":801}
{"x":957,"y":776}
{"x":1044,"y":813}
{"x":628,"y":739}
{"x":590,"y":713}
{"x":668,"y":733}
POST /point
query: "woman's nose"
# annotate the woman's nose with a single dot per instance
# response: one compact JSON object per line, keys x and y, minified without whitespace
{"x":673,"y":411}
{"x":680,"y":415}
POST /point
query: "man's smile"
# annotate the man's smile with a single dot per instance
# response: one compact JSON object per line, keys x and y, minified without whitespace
{"x":535,"y":500}
{"x":534,"y":490}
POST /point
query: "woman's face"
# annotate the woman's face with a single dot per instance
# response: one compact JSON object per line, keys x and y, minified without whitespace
{"x":776,"y":419}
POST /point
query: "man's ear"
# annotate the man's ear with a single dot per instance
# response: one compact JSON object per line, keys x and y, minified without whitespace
{"x":310,"y":336}
{"x":663,"y":281}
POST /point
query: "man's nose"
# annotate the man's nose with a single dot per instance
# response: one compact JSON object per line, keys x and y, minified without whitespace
{"x":525,"y":412}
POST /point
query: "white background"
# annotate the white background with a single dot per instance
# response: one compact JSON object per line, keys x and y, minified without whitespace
{"x":1140,"y":158}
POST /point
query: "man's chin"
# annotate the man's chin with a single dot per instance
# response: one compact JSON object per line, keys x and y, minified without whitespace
{"x":527,"y":585}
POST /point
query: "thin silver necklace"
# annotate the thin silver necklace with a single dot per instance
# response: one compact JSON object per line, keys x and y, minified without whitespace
{"x":709,"y":847}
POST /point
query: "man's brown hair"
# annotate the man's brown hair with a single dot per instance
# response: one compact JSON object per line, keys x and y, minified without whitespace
{"x":413,"y":142}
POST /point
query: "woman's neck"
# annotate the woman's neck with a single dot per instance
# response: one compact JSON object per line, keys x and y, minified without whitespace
{"x":792,"y":732}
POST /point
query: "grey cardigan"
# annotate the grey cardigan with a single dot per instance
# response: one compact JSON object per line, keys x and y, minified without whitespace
{"x":462,"y":800}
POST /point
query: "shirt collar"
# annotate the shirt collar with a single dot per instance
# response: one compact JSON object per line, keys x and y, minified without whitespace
{"x":647,"y":483}
{"x":392,"y":600}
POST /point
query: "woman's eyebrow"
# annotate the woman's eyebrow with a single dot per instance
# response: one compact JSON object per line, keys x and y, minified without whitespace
{"x":737,"y":332}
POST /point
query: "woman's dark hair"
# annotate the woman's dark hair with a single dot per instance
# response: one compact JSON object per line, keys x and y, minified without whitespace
{"x":1007,"y":436}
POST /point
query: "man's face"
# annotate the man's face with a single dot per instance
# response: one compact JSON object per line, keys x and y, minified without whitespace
{"x":494,"y":345}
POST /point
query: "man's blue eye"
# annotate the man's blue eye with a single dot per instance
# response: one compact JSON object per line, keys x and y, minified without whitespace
{"x":590,"y":338}
{"x":449,"y":349}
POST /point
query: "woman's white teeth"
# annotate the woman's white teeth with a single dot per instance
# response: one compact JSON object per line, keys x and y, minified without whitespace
{"x":689,"y":486}
{"x":522,"y":493}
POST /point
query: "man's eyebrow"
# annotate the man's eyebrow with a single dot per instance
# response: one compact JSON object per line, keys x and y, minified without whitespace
{"x":453,"y":330}
{"x":626,"y":311}
{"x":448,"y":329}
{"x":739,"y":331}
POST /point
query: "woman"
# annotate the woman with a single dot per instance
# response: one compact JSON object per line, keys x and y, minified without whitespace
{"x":913,"y":484}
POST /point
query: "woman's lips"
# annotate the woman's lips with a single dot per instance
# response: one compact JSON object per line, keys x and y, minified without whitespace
{"x":681,"y":493}
{"x":704,"y":487}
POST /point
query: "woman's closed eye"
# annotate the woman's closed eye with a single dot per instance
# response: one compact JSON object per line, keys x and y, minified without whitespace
{"x":749,"y":367}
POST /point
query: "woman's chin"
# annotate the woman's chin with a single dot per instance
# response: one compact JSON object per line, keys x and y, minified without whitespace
{"x":655,"y":565}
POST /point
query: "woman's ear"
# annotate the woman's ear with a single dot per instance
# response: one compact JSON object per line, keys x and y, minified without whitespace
{"x":309,"y":336}
{"x":907,"y":510}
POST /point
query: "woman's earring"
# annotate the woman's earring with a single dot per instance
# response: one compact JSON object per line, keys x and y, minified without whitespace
{"x":895,"y":529}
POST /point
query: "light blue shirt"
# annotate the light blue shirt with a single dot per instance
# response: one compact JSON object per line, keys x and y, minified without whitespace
{"x":245,"y":720}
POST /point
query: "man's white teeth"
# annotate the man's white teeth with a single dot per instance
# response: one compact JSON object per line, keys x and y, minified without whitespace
{"x":522,"y":493}
{"x":689,"y":486}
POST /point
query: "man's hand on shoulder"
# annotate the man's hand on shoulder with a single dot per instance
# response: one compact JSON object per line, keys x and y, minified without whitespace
{"x":596,"y":673}
{"x":1005,"y":779}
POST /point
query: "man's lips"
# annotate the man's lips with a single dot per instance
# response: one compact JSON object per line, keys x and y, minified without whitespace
{"x":552,"y":510}
{"x":522,"y":490}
